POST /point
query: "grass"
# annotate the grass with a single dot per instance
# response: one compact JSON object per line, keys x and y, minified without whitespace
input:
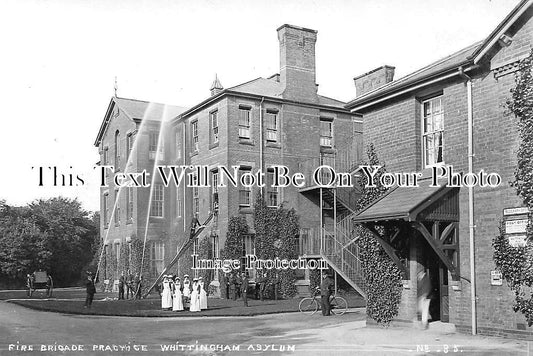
{"x":72,"y":301}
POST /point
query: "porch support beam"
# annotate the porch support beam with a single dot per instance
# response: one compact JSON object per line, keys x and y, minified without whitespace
{"x":437,"y":246}
{"x":389,"y":250}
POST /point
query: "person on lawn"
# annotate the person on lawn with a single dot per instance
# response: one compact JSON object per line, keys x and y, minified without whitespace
{"x":177,"y":300}
{"x":90,"y":289}
{"x":325,"y":292}
{"x":195,"y":296}
{"x":121,"y":284}
{"x":166,"y":296}
{"x":244,"y":289}
{"x":203,"y":294}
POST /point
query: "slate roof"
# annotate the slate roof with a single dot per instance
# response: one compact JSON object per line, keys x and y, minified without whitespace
{"x":401,"y":202}
{"x":272,"y":88}
{"x":450,"y":62}
{"x":139,"y":109}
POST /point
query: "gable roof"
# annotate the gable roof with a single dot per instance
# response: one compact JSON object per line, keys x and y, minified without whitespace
{"x":138,"y":110}
{"x":444,"y":68}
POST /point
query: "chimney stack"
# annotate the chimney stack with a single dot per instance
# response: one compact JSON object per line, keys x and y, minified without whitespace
{"x":297,"y":63}
{"x":372,"y":80}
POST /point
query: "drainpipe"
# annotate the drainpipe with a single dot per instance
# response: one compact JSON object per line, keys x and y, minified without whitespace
{"x":261,"y":139}
{"x":471,"y":226}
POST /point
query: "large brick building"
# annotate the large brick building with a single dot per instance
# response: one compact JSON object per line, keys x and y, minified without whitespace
{"x":450,"y":113}
{"x":279,"y":120}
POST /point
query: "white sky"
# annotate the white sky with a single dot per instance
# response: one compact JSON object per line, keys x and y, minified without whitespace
{"x":59,"y":58}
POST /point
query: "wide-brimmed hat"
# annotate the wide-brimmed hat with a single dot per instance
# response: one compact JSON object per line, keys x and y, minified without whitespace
{"x":186,"y":275}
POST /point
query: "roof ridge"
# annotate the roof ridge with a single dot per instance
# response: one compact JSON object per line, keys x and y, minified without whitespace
{"x":429,"y":66}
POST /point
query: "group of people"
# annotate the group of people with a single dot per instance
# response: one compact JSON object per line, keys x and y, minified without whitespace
{"x":175,"y":294}
{"x":131,"y":284}
{"x":237,"y":286}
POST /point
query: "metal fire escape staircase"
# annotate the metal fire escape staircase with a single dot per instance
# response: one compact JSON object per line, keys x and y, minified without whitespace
{"x":337,"y":241}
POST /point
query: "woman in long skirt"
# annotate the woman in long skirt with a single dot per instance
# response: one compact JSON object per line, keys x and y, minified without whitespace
{"x":195,"y":296}
{"x":166,"y":296}
{"x":203,"y":294}
{"x":177,"y":300}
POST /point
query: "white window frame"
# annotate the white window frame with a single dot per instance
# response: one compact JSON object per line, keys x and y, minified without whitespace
{"x":245,"y":122}
{"x":116,"y":205}
{"x":326,"y":140}
{"x":271,"y":191}
{"x":157,"y":209}
{"x":213,"y":120}
{"x":178,"y":144}
{"x":434,"y":131}
{"x":129,"y":203}
{"x":243,"y":190}
{"x":194,"y":136}
{"x":272,"y":134}
{"x":157,"y":256}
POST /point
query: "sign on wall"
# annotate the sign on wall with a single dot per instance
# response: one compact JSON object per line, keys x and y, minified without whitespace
{"x":516,"y":221}
{"x":496,"y":278}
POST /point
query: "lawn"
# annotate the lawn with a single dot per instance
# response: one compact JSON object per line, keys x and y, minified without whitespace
{"x":71,"y":302}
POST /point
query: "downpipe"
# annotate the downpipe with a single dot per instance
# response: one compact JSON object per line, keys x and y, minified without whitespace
{"x":471,"y":226}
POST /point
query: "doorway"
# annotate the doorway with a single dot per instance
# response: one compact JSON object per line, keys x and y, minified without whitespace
{"x":438,"y":276}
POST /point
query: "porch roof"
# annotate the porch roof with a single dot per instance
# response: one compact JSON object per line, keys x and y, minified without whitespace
{"x":414,"y":203}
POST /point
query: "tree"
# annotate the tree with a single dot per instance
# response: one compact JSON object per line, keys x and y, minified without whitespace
{"x":55,"y":235}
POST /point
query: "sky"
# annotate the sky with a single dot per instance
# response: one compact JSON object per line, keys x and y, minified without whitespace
{"x":59,"y":61}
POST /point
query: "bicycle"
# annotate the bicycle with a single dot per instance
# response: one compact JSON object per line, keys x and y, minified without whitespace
{"x":310,"y":305}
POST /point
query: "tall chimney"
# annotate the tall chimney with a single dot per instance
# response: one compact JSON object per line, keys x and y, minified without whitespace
{"x":372,"y":80}
{"x":297,"y":63}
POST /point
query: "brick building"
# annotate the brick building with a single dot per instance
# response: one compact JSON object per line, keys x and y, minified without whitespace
{"x":427,"y":119}
{"x":279,"y":120}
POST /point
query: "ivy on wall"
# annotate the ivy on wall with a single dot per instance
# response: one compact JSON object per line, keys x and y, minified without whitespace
{"x":276,"y":233}
{"x":516,"y":263}
{"x":383,"y":278}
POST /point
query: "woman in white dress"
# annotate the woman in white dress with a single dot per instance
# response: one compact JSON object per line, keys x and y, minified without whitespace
{"x":203,"y":294}
{"x":186,"y":286}
{"x":195,"y":296}
{"x":177,"y":300}
{"x":166,"y":296}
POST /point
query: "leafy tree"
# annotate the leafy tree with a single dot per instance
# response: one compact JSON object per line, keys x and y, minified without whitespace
{"x":55,"y":235}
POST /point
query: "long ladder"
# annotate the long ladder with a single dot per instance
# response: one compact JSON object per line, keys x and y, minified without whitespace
{"x":181,"y":251}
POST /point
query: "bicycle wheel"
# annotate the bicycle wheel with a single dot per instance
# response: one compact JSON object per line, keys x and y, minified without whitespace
{"x":339,"y":305}
{"x":308,"y":306}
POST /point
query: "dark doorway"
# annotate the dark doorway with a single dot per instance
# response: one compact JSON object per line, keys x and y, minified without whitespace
{"x":438,"y":275}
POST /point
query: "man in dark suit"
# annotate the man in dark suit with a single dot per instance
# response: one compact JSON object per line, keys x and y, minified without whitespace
{"x":121,"y":284}
{"x":90,"y":289}
{"x":244,"y":289}
{"x":325,"y":292}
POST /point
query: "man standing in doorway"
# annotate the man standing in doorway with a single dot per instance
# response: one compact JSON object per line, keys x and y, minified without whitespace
{"x":325,"y":292}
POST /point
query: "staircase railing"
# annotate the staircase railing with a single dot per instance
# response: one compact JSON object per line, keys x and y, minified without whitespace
{"x":344,"y":260}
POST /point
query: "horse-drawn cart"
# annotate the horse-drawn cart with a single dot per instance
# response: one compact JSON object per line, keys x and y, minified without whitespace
{"x":39,"y":280}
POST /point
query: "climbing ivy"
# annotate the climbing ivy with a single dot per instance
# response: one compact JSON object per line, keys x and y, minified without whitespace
{"x":383,"y":278}
{"x":516,"y":263}
{"x":276,"y":233}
